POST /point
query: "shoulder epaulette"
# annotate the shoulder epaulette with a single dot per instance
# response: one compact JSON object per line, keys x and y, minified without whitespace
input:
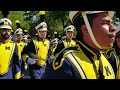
{"x":58,"y":61}
{"x":109,"y":53}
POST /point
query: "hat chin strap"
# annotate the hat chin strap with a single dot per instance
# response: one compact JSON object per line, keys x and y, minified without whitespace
{"x":90,"y":30}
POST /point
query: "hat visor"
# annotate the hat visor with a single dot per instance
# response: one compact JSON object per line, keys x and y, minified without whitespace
{"x":5,"y":26}
{"x":70,"y":30}
{"x":56,"y":42}
{"x":19,"y":33}
{"x":42,"y":29}
{"x":110,"y":13}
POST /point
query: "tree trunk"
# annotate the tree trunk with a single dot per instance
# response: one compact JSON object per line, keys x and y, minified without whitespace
{"x":63,"y":23}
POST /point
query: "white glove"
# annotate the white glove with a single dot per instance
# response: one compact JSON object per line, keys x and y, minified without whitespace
{"x":31,"y":61}
{"x":25,"y":39}
{"x":25,"y":66}
{"x":55,"y":40}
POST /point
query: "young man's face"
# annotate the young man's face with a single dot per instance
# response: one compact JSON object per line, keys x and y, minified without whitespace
{"x":42,"y":34}
{"x":5,"y":33}
{"x":69,"y":34}
{"x":104,"y":30}
{"x":19,"y":37}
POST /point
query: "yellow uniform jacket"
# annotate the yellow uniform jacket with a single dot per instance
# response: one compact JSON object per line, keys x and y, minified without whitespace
{"x":37,"y":49}
{"x":113,"y":58}
{"x":20,"y":46}
{"x":64,"y":44}
{"x":79,"y":62}
{"x":10,"y":65}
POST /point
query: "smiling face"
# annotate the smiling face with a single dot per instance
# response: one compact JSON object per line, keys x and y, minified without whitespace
{"x":19,"y":37}
{"x":69,"y":34}
{"x":104,"y":30}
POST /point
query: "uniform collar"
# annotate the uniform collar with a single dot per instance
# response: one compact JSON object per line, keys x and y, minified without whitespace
{"x":19,"y":41}
{"x":68,"y":40}
{"x":89,"y":51}
{"x":39,"y":39}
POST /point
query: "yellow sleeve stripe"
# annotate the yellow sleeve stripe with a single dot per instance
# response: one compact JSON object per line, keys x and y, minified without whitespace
{"x":18,"y":75}
{"x":24,"y":57}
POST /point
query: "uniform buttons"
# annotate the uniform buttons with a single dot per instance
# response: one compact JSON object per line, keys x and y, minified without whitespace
{"x":56,"y":63}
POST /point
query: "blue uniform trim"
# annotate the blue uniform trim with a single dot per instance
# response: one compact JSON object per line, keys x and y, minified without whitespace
{"x":60,"y":46}
{"x":80,"y":66}
{"x":14,"y":67}
{"x":61,"y":54}
{"x":74,"y":70}
{"x":65,"y":72}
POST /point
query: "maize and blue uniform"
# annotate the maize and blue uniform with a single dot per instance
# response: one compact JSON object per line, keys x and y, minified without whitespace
{"x":37,"y":49}
{"x":79,"y":62}
{"x":113,"y":59}
{"x":117,"y":54}
{"x":20,"y":46}
{"x":64,"y":44}
{"x":10,"y":64}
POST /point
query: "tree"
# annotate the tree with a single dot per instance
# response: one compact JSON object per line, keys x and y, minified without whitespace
{"x":60,"y":17}
{"x":17,"y":15}
{"x":116,"y":18}
{"x":33,"y":18}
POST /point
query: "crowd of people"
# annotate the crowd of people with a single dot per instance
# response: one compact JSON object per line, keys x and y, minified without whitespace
{"x":93,"y":54}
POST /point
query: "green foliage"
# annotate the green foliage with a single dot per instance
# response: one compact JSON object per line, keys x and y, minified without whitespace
{"x":116,"y":20}
{"x":17,"y":15}
{"x":56,"y":20}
